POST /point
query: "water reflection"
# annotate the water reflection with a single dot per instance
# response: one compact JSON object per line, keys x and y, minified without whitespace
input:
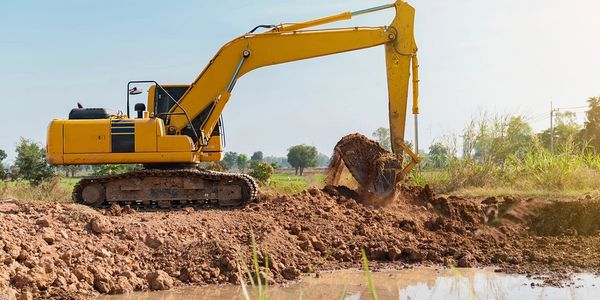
{"x":419,"y":283}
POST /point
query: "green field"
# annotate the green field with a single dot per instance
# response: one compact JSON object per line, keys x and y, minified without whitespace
{"x":69,"y":182}
{"x":291,"y":184}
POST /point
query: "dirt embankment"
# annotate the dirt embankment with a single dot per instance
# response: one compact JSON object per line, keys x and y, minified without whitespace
{"x":50,"y":250}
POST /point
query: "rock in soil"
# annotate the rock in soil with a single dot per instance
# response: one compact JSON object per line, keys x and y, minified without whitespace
{"x":159,"y":280}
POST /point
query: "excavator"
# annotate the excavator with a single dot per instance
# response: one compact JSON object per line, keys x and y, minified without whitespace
{"x":181,"y":125}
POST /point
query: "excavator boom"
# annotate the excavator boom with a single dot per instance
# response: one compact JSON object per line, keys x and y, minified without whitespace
{"x":286,"y":43}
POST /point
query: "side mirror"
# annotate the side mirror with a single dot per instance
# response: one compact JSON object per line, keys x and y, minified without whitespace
{"x":135,"y":91}
{"x":140,"y":108}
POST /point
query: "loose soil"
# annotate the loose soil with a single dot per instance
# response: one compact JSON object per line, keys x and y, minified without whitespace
{"x":68,"y":251}
{"x":376,"y":170}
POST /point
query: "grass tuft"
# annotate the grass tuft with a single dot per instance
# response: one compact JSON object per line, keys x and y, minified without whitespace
{"x":256,"y":282}
{"x":365,"y":264}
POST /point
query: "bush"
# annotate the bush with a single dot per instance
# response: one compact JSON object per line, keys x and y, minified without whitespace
{"x":262,"y":172}
{"x":31,"y":164}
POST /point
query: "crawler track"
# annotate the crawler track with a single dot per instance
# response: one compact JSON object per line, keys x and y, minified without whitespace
{"x":164,"y":189}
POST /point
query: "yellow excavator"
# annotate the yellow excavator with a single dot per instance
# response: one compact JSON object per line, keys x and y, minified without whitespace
{"x":182,"y":126}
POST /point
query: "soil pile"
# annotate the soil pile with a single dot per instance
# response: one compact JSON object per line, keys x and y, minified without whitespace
{"x":581,"y":217}
{"x":50,"y":250}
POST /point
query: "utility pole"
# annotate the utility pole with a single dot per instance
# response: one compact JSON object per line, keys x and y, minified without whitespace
{"x":551,"y":129}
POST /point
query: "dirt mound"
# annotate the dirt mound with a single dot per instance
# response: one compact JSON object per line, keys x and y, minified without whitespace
{"x":581,"y":217}
{"x":68,"y":251}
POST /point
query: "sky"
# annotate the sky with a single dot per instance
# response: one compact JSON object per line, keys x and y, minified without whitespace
{"x":506,"y":57}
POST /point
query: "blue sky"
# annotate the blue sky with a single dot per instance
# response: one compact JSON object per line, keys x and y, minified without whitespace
{"x":503,"y":56}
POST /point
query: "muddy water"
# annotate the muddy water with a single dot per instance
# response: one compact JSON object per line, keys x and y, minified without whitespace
{"x":418,"y":283}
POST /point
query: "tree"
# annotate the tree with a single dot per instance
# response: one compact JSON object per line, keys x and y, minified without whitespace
{"x":2,"y":170}
{"x":70,"y":170}
{"x":566,"y":131}
{"x":382,"y":136}
{"x":493,"y":138}
{"x":257,"y":156}
{"x":230,"y":160}
{"x":439,"y":155}
{"x":281,"y":161}
{"x":323,"y":160}
{"x":591,"y":127}
{"x":262,"y":172}
{"x":517,"y":139}
{"x":302,"y":156}
{"x":276,"y":165}
{"x":242,"y":161}
{"x":31,"y":164}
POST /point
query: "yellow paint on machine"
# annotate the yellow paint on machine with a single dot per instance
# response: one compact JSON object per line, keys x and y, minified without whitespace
{"x":86,"y":136}
{"x":146,"y":129}
{"x":89,"y":142}
{"x":129,"y":158}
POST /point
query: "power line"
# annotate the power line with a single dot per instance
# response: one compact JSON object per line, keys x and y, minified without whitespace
{"x":565,"y":108}
{"x":536,"y":115}
{"x":574,"y":112}
{"x":538,"y":120}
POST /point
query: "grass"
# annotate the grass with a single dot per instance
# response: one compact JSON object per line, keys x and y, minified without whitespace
{"x":438,"y":181}
{"x":370,"y":284}
{"x":69,"y":182}
{"x":260,"y":288}
{"x":534,"y":193}
{"x":535,"y":173}
{"x":292,"y":184}
{"x":54,"y":190}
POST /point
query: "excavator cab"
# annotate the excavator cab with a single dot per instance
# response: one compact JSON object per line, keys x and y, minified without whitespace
{"x":162,"y":99}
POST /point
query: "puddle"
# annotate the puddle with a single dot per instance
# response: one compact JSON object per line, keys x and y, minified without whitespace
{"x":418,"y":283}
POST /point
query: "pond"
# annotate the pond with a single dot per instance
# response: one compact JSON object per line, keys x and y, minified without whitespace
{"x":417,"y":283}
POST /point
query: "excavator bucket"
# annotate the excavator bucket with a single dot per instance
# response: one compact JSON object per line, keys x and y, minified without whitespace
{"x":376,"y":170}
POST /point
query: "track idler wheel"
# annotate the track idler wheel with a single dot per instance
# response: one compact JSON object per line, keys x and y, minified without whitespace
{"x":93,"y":194}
